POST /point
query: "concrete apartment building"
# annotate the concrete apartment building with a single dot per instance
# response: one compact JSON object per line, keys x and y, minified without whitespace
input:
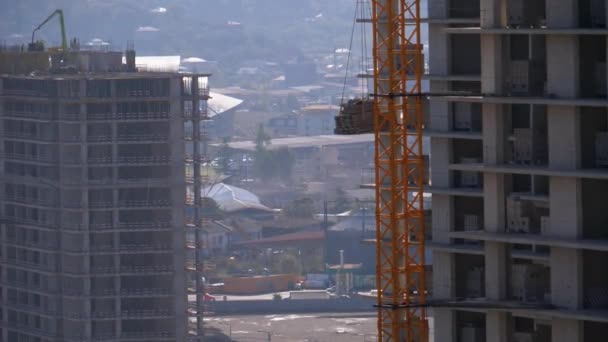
{"x":95,"y":159}
{"x":520,"y":237}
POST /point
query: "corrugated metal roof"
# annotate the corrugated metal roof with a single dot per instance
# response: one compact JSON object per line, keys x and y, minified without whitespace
{"x":219,"y":103}
{"x":231,"y":199}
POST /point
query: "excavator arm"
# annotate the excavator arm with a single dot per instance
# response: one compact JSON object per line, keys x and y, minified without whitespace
{"x":64,"y":41}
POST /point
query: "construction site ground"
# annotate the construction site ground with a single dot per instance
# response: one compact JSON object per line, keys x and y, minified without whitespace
{"x":323,"y":327}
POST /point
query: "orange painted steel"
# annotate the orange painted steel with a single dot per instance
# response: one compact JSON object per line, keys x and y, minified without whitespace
{"x":398,"y":69}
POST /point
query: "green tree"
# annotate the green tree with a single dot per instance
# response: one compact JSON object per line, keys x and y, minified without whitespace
{"x":342,"y":202}
{"x":262,"y":139}
{"x":225,"y":153}
{"x":284,"y":160}
{"x":210,"y":209}
{"x":302,"y":208}
{"x":264,"y":165}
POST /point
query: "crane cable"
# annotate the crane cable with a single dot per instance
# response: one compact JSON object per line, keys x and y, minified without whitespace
{"x":350,"y":47}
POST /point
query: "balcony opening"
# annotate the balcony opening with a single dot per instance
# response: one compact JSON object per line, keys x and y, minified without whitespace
{"x":466,"y":117}
{"x":103,"y":329}
{"x":594,"y":137}
{"x":470,"y":276}
{"x":595,"y":331}
{"x":527,"y":66}
{"x":527,"y":214}
{"x":471,"y":326}
{"x":102,"y":285}
{"x":528,"y":138}
{"x":595,"y":280}
{"x":529,"y":281}
{"x":592,"y":13}
{"x":465,"y":54}
{"x":468,"y":218}
{"x":530,"y":330}
{"x":595,"y":215}
{"x":143,"y":282}
{"x":592,"y":66}
{"x":466,"y":87}
{"x":526,"y":13}
{"x":465,"y":151}
{"x":101,"y":241}
{"x":464,"y":9}
{"x":468,"y":179}
{"x":150,"y":328}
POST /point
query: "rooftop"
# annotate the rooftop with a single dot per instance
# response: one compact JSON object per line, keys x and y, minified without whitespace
{"x":232,"y":199}
{"x":304,"y":142}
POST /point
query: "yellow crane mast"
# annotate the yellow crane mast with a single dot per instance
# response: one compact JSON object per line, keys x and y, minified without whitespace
{"x":399,"y":163}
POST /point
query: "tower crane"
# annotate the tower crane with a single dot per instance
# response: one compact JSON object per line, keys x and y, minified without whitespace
{"x":399,"y":168}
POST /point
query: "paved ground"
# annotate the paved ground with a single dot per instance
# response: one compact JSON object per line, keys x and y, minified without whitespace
{"x":292,"y":328}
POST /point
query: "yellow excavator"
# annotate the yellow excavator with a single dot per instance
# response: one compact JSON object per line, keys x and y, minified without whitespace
{"x":39,"y":45}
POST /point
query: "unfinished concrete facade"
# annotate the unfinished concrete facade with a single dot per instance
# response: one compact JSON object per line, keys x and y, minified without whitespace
{"x":95,"y":167}
{"x":519,"y":234}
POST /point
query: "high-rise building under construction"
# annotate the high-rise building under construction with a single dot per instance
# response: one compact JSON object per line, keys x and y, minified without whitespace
{"x":520,"y":237}
{"x":96,"y":160}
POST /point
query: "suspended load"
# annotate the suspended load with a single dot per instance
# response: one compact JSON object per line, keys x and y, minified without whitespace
{"x":356,"y":117}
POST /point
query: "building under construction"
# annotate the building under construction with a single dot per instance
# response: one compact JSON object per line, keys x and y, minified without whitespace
{"x":96,"y":161}
{"x":520,"y":240}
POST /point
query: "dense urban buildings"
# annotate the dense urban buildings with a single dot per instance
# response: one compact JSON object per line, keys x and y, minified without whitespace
{"x":96,"y":159}
{"x":520,"y":237}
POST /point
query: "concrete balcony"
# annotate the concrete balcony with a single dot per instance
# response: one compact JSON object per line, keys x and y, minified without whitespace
{"x":527,"y":31}
{"x":160,"y":225}
{"x":125,"y":314}
{"x":30,"y":158}
{"x":532,"y":239}
{"x":532,"y":170}
{"x":122,"y":249}
{"x":548,"y":100}
{"x":129,"y":160}
{"x":147,"y":116}
{"x":148,"y":336}
{"x":157,"y":203}
{"x":29,"y":137}
{"x":42,"y":202}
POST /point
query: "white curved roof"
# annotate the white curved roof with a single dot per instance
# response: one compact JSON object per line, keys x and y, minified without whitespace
{"x":230,"y":198}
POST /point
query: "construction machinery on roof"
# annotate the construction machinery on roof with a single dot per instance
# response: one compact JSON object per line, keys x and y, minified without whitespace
{"x":397,"y":119}
{"x":38,"y":46}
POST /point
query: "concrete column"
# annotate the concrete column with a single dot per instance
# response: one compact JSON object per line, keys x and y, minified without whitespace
{"x":441,"y":156}
{"x":497,"y":327}
{"x":565,"y":207}
{"x":438,"y":9}
{"x":492,"y":60}
{"x":442,"y":218}
{"x":566,"y":222}
{"x":444,"y":275}
{"x":178,"y":195}
{"x":439,"y":51}
{"x":566,"y":278}
{"x":445,"y":323}
{"x":494,"y":221}
{"x":566,"y":330}
{"x":561,"y":13}
{"x":562,"y":65}
{"x":564,"y":137}
{"x":494,"y":202}
{"x":493,"y":13}
{"x":495,"y":270}
{"x":439,"y":107}
{"x":493,"y":132}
